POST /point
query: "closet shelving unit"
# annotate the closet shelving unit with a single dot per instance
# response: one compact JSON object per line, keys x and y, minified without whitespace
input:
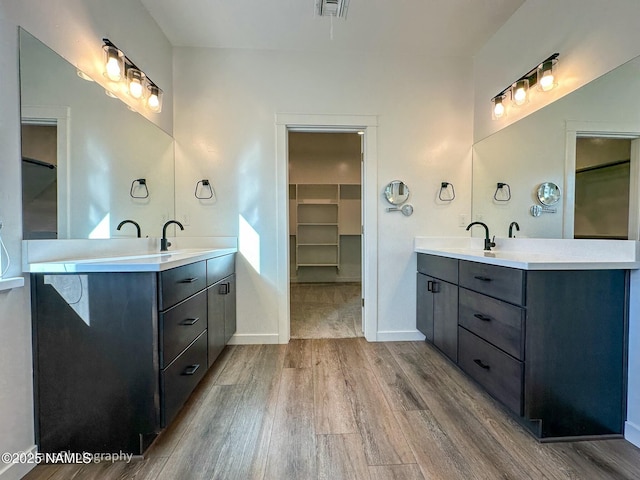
{"x":321,"y":214}
{"x":317,"y":240}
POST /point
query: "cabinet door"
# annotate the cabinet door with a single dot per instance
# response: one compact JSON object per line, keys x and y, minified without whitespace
{"x":445,"y":318}
{"x":424,"y":306}
{"x":215,"y":321}
{"x":230,"y":309}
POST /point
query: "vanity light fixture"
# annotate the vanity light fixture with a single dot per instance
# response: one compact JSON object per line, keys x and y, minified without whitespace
{"x":135,"y":82}
{"x":119,"y":68}
{"x":542,"y":75}
{"x":154,"y":99}
{"x":498,"y":110}
{"x":520,"y":92}
{"x":113,"y":61}
{"x":546,"y":74}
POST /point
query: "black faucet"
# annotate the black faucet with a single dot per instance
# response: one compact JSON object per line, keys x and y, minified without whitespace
{"x":129,"y":221}
{"x":513,"y":224}
{"x":164,"y":243}
{"x":487,"y":241}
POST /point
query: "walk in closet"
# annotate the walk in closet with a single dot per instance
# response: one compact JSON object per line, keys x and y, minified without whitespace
{"x":325,"y":192}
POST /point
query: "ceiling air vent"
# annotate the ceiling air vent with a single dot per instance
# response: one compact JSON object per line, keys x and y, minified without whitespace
{"x":332,"y":8}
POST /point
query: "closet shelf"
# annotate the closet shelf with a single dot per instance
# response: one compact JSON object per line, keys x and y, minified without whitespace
{"x":318,"y":265}
{"x":300,"y":244}
{"x":317,"y":201}
{"x":309,"y":224}
{"x":320,"y":214}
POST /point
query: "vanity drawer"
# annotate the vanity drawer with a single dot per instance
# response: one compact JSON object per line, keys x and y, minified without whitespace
{"x":500,"y":374}
{"x":498,"y":322}
{"x":500,"y":282}
{"x":439,"y":267}
{"x":180,"y":378}
{"x":179,"y":283}
{"x":180,"y":325}
{"x":220,"y":267}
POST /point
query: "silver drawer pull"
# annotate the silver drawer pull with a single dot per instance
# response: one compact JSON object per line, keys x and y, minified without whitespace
{"x":191,"y":369}
{"x":224,"y":289}
{"x":189,"y":280}
{"x":190,"y":321}
{"x":479,"y":362}
{"x":482,"y":279}
{"x":482,"y":317}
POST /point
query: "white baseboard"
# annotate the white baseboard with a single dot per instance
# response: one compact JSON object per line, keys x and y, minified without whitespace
{"x":254,"y":339}
{"x":632,"y":433}
{"x":400,"y":336}
{"x":15,"y":471}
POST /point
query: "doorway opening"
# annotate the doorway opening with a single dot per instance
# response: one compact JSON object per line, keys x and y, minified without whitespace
{"x":602,"y":181}
{"x":39,"y":181}
{"x":602,"y":188}
{"x":368,"y":124}
{"x":325,"y":234}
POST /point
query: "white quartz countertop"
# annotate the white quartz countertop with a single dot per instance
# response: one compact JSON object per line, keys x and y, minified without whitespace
{"x":91,"y":256}
{"x":537,"y":254}
{"x":154,"y":262}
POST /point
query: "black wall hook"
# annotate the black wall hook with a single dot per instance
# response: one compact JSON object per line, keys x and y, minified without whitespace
{"x":205,"y":183}
{"x":444,"y":187}
{"x":141,"y":182}
{"x":500,"y":187}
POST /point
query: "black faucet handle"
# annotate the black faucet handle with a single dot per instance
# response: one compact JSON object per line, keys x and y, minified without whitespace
{"x":493,"y":241}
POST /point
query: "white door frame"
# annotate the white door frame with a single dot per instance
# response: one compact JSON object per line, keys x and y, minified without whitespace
{"x":326,"y":123}
{"x":60,"y":117}
{"x":575,"y":130}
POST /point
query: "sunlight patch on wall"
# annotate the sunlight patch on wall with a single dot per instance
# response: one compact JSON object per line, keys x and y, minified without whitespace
{"x":249,"y":243}
{"x":102,"y":229}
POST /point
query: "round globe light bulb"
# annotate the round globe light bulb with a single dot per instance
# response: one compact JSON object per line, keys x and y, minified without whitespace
{"x":498,"y":110}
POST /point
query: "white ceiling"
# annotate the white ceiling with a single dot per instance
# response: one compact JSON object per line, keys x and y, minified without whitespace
{"x":427,"y":27}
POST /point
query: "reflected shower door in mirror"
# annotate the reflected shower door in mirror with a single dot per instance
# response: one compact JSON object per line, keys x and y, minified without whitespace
{"x":100,"y":147}
{"x":542,"y":147}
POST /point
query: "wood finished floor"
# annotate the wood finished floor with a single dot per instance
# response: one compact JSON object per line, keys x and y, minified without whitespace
{"x":347,"y":409}
{"x":326,"y":310}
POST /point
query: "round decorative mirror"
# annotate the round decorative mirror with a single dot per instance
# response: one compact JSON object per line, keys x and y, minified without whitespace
{"x":548,"y":193}
{"x":396,"y":192}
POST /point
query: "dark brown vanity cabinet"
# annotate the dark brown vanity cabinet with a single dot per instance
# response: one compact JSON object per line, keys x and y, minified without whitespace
{"x":182,"y":335}
{"x":221,"y":300}
{"x":117,"y":354}
{"x":549,"y":345}
{"x":437,"y":302}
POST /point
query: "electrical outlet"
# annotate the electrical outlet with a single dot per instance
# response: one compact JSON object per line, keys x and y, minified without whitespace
{"x":479,"y":217}
{"x":463,"y":220}
{"x":186,"y":219}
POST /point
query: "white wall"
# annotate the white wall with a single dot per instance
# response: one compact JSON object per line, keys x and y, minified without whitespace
{"x":226,"y":101}
{"x":592,"y":37}
{"x":75,"y":29}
